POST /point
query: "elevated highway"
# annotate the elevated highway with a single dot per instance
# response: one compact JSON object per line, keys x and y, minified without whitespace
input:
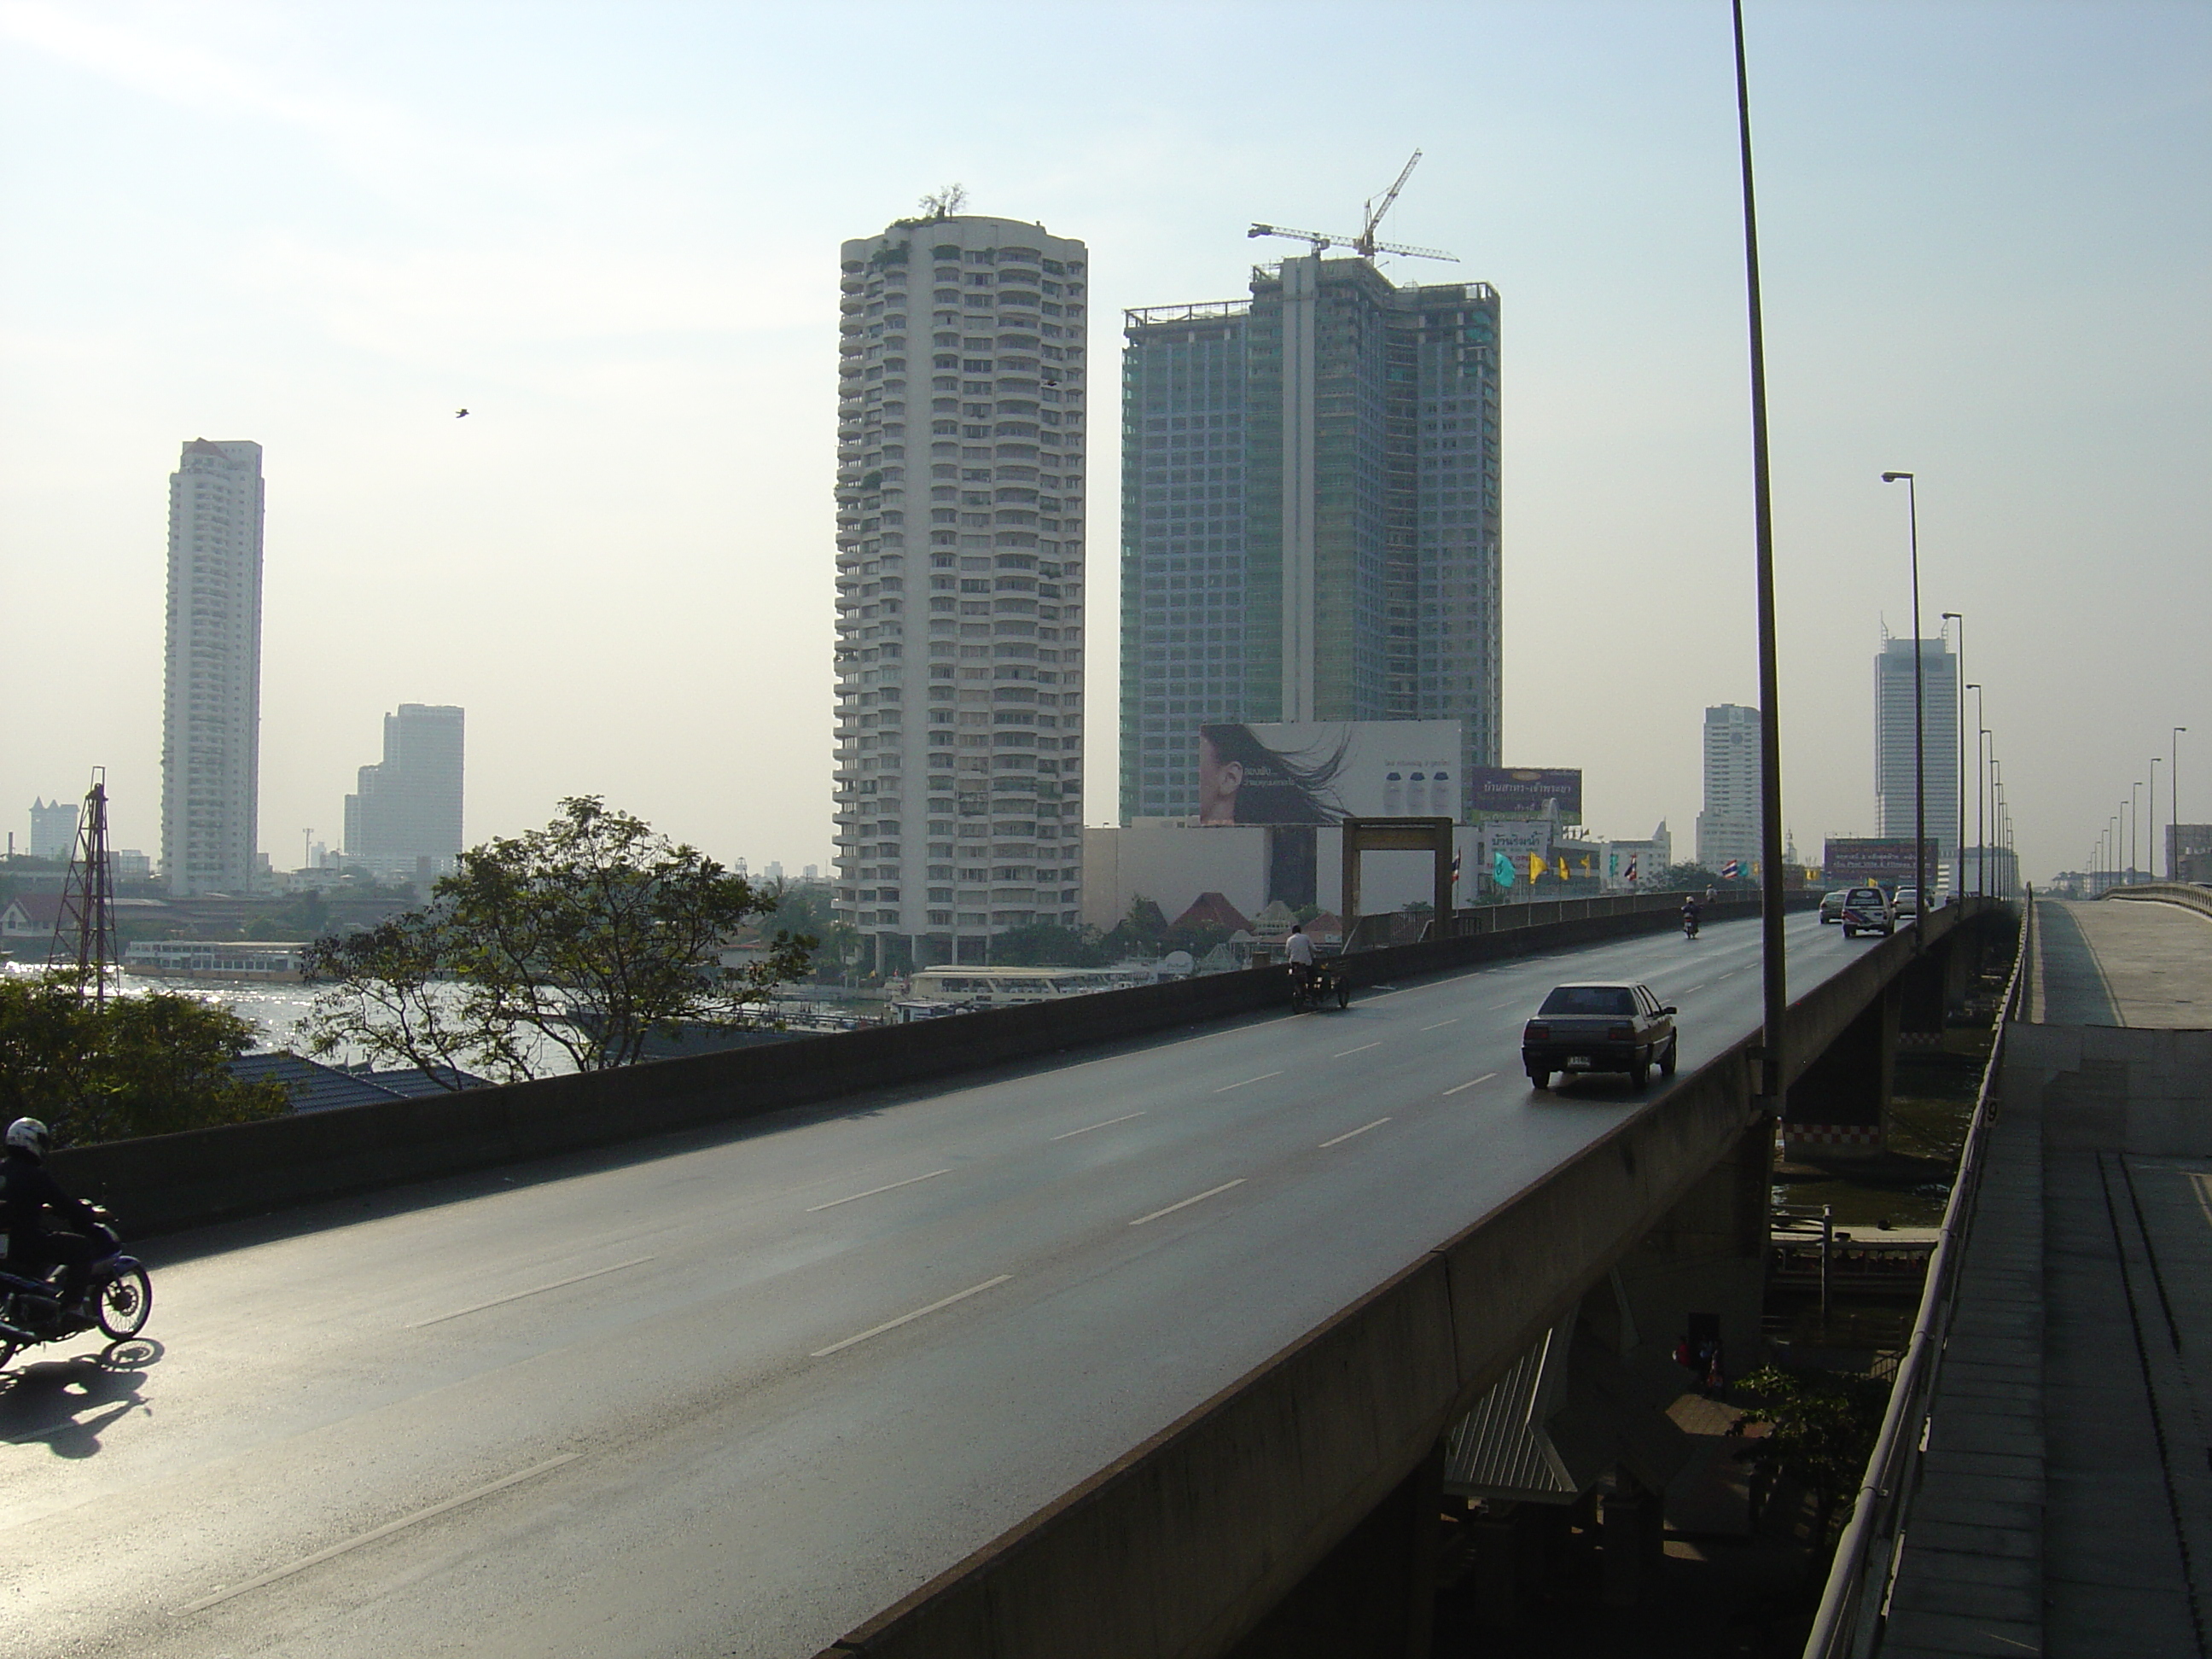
{"x":738,"y":1392}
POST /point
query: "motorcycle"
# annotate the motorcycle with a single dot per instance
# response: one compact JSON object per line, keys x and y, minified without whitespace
{"x":31,"y":1311}
{"x":1318,"y":986}
{"x":1689,"y":924}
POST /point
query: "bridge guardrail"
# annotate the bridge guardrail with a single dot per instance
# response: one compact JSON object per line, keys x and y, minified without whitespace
{"x":1853,"y":1610}
{"x":2165,"y":892}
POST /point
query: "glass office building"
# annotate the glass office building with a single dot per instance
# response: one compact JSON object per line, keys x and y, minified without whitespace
{"x":1310,"y":515}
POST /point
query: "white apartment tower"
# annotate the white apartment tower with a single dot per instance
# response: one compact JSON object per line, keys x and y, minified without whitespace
{"x":211,"y":692}
{"x":1728,"y":826}
{"x":1894,"y":755}
{"x":959,"y":661}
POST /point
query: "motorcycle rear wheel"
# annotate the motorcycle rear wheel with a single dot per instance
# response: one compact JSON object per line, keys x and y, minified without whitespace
{"x":124,"y":1303}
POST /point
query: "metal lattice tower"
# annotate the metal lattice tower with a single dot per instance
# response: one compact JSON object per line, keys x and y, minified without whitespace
{"x":84,"y":929}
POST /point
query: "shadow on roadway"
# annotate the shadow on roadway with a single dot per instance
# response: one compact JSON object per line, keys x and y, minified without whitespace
{"x":68,"y":1403}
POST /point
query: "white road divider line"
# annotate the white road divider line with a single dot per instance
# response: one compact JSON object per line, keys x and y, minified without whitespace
{"x":909,"y":1318}
{"x":535,"y":1290}
{"x":1470,"y":1083}
{"x":1211,"y":1192}
{"x":1441,"y":1023}
{"x":375,"y":1533}
{"x":1262,"y":1077}
{"x":1361,"y":1050}
{"x":1690,"y":991}
{"x":1108,"y":1124}
{"x":1348,"y":1133}
{"x":888,"y":1187}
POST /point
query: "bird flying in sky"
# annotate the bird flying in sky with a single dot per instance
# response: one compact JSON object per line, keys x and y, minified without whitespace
{"x":459,"y":413}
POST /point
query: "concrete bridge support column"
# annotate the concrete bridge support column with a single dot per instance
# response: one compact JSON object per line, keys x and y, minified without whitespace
{"x":1924,"y":992}
{"x":1702,"y":1270}
{"x":1374,"y":1595}
{"x":1839,"y":1105}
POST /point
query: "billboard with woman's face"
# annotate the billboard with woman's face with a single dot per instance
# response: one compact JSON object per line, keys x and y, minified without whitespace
{"x":1321,"y":772}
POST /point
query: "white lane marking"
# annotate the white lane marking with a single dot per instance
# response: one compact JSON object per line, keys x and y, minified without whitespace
{"x":1108,"y":1124}
{"x":1262,"y":1077}
{"x":1441,"y":1023}
{"x":1513,"y":1003}
{"x":909,"y":1318}
{"x":1348,"y":1133}
{"x":535,"y":1290}
{"x":1201,"y":1198}
{"x":1470,"y":1083}
{"x":888,"y":1187}
{"x":1729,"y":975}
{"x":1693,"y":991}
{"x":374,"y":1534}
{"x":1361,"y":1050}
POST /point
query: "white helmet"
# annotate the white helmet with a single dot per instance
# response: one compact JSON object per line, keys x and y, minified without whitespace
{"x":31,"y":1135}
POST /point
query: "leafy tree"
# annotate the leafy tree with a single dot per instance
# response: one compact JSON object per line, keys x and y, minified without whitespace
{"x":1824,"y":1425}
{"x":1142,"y":932}
{"x":1687,"y":878}
{"x":586,"y":935}
{"x":1198,"y":938}
{"x":808,"y":910}
{"x":138,"y":1065}
{"x":1047,"y":945}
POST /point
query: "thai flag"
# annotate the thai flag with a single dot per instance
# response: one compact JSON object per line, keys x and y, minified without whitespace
{"x":1455,"y":882}
{"x":1732,"y":871}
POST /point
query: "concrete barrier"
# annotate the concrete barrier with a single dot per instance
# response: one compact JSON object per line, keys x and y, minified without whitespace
{"x":164,"y":1183}
{"x":2186,"y":894}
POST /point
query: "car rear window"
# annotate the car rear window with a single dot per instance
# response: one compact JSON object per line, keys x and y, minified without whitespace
{"x":1865,"y":895}
{"x":1588,"y":999}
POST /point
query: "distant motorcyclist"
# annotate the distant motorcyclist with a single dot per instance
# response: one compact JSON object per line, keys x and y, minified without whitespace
{"x":27,"y":1192}
{"x":1299,"y":950}
{"x":1691,"y":910}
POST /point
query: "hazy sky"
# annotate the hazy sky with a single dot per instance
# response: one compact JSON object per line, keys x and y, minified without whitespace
{"x":610,"y":231}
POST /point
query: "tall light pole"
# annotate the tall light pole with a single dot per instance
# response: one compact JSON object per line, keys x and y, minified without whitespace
{"x":2150,"y":836}
{"x":2135,"y":824}
{"x":2174,"y":787}
{"x":1981,"y":834}
{"x":1774,"y":965}
{"x":1958,"y":800}
{"x":1919,"y":715}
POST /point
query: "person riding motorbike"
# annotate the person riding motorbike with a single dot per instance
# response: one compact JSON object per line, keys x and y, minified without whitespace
{"x":27,"y":1192}
{"x":1691,"y":911}
{"x":1299,"y":950}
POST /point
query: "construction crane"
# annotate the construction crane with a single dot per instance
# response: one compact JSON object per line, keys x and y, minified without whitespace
{"x":1364,"y":244}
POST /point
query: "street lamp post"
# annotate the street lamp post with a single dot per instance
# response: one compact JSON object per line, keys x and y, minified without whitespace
{"x":1919,"y":715}
{"x":1981,"y":834}
{"x":2135,"y":825}
{"x":1774,"y":964}
{"x":2150,"y":836}
{"x":2174,"y":787}
{"x":1959,"y":796}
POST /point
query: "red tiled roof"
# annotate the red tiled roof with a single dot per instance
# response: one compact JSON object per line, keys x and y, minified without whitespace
{"x":1211,"y":910}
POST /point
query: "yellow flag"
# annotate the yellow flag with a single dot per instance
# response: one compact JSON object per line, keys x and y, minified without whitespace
{"x":1565,"y":874}
{"x":1535,"y":866}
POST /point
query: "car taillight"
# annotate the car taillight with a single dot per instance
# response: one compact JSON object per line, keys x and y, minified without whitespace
{"x":1619,"y":1033}
{"x":1536,"y":1033}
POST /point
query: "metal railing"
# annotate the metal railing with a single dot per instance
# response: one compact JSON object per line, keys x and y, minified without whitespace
{"x":2165,"y":892}
{"x":1854,"y":1607}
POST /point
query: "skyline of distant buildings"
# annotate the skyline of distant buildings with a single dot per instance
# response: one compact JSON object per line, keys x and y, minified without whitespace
{"x":958,"y":776}
{"x":1310,"y":517}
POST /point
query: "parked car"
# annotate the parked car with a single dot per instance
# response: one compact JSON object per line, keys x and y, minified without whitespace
{"x":1906,"y":903}
{"x":1832,"y":906}
{"x":1866,"y":911}
{"x":1600,"y":1027}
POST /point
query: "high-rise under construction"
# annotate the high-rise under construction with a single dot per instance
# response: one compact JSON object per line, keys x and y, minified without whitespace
{"x":1310,"y":515}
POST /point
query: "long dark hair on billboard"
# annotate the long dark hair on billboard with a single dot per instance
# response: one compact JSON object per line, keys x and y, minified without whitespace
{"x":1242,"y":781}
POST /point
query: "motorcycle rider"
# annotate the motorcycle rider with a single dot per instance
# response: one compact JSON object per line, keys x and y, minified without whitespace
{"x":1690,"y":910}
{"x":1299,"y":950}
{"x":27,"y":1192}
